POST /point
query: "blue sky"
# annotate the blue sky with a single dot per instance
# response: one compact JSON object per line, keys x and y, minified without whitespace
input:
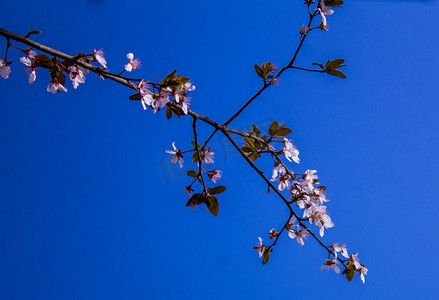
{"x":91,"y":208}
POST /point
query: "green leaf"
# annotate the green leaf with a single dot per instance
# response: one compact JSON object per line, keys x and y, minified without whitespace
{"x":350,"y":275}
{"x":212,"y":205}
{"x":168,"y":112}
{"x":334,"y":64}
{"x":336,"y":73}
{"x":256,"y":130}
{"x":273,"y":128}
{"x":334,"y":3}
{"x":136,"y":96}
{"x":282,"y":132}
{"x":192,"y":173}
{"x":254,"y":156}
{"x":250,"y":141}
{"x":167,"y":79}
{"x":44,"y":61}
{"x":248,"y":150}
{"x":216,"y":190}
{"x":195,"y":157}
{"x":193,"y":145}
{"x":196,"y":199}
{"x":266,"y":257}
{"x":259,"y":71}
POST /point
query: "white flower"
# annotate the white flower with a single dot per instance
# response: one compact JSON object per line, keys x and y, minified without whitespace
{"x":363,"y":271}
{"x":31,"y":68}
{"x":299,"y":235}
{"x":207,"y":156}
{"x":76,"y":75}
{"x":284,"y":183}
{"x":132,"y":64}
{"x":353,"y":258}
{"x":324,"y":11}
{"x":337,"y":247}
{"x":147,"y":98}
{"x":278,"y":169}
{"x":290,"y":151}
{"x":215,"y":175}
{"x":176,"y":155}
{"x":185,"y":104}
{"x":162,"y":99}
{"x":55,"y":87}
{"x":5,"y":70}
{"x":321,"y":219}
{"x":260,"y":248}
{"x":331,"y":263}
{"x":99,"y":56}
{"x":189,"y":87}
{"x":310,"y":175}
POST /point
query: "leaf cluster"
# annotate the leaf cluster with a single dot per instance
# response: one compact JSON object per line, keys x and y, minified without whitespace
{"x":265,"y":69}
{"x":331,"y":67}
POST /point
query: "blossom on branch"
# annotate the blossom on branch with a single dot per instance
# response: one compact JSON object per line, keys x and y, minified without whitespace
{"x":298,"y":234}
{"x":324,"y":11}
{"x":331,"y":263}
{"x":363,"y":271}
{"x":5,"y":70}
{"x":290,"y":151}
{"x":284,"y":182}
{"x":30,"y":62}
{"x":132,"y":64}
{"x":214,"y":175}
{"x":55,"y":87}
{"x":146,"y":95}
{"x":176,"y":155}
{"x":337,"y":247}
{"x":321,"y":219}
{"x":207,"y":156}
{"x":260,"y":248}
{"x":278,"y":169}
{"x":76,"y":75}
{"x":353,"y":258}
{"x":99,"y":57}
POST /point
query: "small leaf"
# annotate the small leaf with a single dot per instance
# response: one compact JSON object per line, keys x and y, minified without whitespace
{"x":273,"y":128}
{"x":336,"y":73}
{"x":136,"y":96}
{"x":196,"y":199}
{"x":335,"y":64}
{"x":44,"y":61}
{"x":216,"y":190}
{"x":282,"y":132}
{"x":192,"y":173}
{"x":266,"y":257}
{"x":212,"y":205}
{"x":254,"y":156}
{"x":248,"y":150}
{"x":256,"y":130}
{"x":350,"y":275}
{"x":250,"y":141}
{"x":259,"y":71}
{"x":168,"y":112}
{"x":334,"y":3}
